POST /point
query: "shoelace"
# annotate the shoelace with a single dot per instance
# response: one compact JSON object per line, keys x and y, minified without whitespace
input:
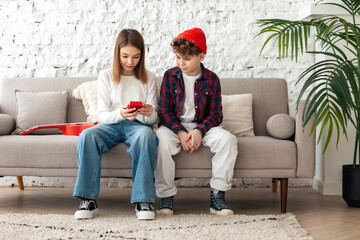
{"x":166,"y":203}
{"x":84,"y":204}
{"x":145,"y":206}
{"x":219,"y":202}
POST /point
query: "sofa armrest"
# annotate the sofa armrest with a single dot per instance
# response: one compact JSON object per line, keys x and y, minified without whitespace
{"x":306,"y":145}
{"x":7,"y":124}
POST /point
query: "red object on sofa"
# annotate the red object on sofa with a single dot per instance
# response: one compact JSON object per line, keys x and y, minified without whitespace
{"x":67,"y":129}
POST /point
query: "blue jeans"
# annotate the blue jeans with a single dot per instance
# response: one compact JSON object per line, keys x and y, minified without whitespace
{"x":95,"y":141}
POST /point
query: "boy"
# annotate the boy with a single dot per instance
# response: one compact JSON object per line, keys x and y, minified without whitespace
{"x":190,"y":112}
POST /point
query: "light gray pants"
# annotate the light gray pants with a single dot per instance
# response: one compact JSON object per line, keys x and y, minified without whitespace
{"x":222,"y":144}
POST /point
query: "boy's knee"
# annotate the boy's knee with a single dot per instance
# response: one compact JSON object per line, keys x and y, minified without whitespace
{"x":232,"y":138}
{"x":163,"y":135}
{"x":228,"y":138}
{"x":161,"y":131}
{"x":164,"y":143}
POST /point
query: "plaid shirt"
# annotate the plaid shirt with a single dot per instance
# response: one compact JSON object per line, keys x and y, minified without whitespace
{"x":207,"y":100}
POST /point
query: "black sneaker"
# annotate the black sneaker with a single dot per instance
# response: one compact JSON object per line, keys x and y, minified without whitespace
{"x":144,"y":211}
{"x":218,"y":205}
{"x":166,"y":206}
{"x":87,"y":209}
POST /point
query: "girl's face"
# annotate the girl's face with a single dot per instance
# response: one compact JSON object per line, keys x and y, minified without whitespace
{"x":129,"y":58}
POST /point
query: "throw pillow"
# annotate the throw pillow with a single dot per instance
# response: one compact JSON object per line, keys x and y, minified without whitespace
{"x":281,"y":126}
{"x":87,"y":93}
{"x":40,"y":108}
{"x":237,"y":111}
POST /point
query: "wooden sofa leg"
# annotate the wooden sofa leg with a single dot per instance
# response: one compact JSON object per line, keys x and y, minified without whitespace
{"x":274,"y":185}
{"x":283,"y":193}
{"x":20,"y":182}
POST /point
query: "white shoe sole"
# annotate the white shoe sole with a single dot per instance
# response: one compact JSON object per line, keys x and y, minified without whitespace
{"x":224,"y":212}
{"x":84,"y":214}
{"x":165,"y":212}
{"x":145,"y":215}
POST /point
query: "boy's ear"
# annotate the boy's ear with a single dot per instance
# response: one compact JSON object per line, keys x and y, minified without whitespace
{"x":202,"y":56}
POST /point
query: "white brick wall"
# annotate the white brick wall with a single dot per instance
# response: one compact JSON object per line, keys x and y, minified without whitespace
{"x":76,"y":37}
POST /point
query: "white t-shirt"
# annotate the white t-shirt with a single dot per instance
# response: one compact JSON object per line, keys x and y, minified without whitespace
{"x":188,"y":112}
{"x":112,"y":96}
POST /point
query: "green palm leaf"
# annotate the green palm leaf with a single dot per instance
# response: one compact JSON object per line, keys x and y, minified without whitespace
{"x":331,"y":87}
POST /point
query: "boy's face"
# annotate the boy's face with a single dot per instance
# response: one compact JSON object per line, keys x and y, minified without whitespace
{"x":190,"y":64}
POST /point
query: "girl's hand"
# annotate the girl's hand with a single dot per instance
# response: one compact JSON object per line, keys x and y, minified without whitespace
{"x":146,"y":110}
{"x":128,"y":114}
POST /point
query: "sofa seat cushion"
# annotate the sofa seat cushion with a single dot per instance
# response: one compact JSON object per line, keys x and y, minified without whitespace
{"x":259,"y":152}
{"x":53,"y":151}
{"x":263,"y":152}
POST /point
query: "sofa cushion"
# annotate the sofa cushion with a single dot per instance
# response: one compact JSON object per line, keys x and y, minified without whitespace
{"x":40,"y":108}
{"x":7,"y":124}
{"x":53,"y":151}
{"x":87,"y":93}
{"x":238,"y":117}
{"x":265,"y":152}
{"x":254,"y":153}
{"x":281,"y":126}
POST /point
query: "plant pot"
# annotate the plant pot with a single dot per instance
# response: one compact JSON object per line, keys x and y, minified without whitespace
{"x":351,"y":185}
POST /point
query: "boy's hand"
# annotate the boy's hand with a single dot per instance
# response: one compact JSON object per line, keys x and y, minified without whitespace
{"x":146,"y":110}
{"x":194,"y":138}
{"x":128,"y":114}
{"x":183,"y":136}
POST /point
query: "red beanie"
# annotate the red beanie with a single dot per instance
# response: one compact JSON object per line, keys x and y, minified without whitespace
{"x":195,"y":35}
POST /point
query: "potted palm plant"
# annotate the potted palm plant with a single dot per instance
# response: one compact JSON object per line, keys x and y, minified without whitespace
{"x":331,"y":87}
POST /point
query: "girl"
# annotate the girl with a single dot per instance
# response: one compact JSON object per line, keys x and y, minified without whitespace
{"x":126,"y":81}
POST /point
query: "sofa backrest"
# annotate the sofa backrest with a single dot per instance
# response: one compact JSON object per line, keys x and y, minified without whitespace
{"x":270,"y":95}
{"x":8,"y":86}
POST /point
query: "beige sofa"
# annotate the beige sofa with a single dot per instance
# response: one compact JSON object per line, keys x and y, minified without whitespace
{"x":260,"y":156}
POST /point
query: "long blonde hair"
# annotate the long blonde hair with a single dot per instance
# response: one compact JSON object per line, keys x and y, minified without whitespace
{"x":124,"y":38}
